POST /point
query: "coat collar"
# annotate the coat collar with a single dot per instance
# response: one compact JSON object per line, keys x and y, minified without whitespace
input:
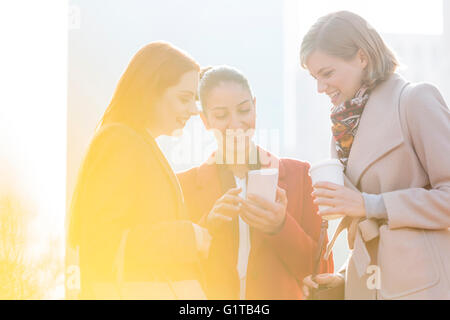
{"x":379,"y":130}
{"x":167,"y":169}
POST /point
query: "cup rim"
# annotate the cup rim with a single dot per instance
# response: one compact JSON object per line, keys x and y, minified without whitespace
{"x":327,"y":162}
{"x":265,"y":171}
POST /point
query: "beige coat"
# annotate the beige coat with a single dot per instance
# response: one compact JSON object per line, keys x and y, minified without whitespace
{"x":402,"y":151}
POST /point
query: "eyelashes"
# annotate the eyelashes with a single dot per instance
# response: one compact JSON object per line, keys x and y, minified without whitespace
{"x":184,"y":100}
{"x":223,"y":116}
{"x":328,"y":74}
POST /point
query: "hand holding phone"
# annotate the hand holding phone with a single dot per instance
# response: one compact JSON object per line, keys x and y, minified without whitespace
{"x":263,"y":183}
{"x":266,"y":203}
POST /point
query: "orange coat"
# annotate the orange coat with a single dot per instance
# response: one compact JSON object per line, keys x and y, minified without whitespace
{"x":127,"y":213}
{"x":277,"y":263}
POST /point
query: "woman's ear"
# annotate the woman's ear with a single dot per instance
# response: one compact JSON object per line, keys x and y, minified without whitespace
{"x":363,"y":59}
{"x":254,"y":102}
{"x":205,"y":120}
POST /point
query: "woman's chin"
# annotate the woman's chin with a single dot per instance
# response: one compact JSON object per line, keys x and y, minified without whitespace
{"x":336,"y":102}
{"x":177,"y":132}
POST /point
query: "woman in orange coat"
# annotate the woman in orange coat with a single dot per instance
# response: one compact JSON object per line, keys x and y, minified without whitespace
{"x":283,"y":235}
{"x":127,"y":220}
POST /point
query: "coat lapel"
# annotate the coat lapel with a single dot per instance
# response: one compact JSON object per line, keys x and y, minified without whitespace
{"x":371,"y":143}
{"x":208,"y":177}
{"x":211,"y":184}
{"x":182,"y":214}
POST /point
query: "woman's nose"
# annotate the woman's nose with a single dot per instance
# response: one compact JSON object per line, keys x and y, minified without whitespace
{"x":193,"y":110}
{"x":321,"y":86}
{"x":235,"y":123}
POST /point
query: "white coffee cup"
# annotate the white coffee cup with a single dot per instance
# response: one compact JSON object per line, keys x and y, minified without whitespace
{"x":330,"y":170}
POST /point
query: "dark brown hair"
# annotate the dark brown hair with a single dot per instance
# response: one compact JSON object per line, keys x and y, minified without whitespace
{"x":211,"y":77}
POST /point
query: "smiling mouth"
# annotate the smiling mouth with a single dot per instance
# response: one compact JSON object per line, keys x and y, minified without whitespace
{"x":182,"y":121}
{"x":334,"y":96}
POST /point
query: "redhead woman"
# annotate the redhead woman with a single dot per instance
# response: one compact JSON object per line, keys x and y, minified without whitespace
{"x":127,"y":219}
{"x":392,"y":137}
{"x":260,"y":249}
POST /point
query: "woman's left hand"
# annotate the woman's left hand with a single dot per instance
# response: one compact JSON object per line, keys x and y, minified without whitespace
{"x":341,"y":200}
{"x":265,"y":215}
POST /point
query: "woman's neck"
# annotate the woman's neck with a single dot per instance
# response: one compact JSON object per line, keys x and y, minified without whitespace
{"x":238,"y":170}
{"x":154,"y":130}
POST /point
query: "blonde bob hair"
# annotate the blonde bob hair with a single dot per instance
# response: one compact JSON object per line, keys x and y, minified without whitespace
{"x":343,"y":34}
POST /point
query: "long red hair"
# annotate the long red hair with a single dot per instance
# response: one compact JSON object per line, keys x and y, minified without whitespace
{"x":155,"y":67}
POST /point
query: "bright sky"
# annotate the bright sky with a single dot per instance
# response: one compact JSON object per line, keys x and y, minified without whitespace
{"x":386,"y":16}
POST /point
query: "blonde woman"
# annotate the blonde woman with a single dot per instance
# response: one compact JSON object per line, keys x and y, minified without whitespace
{"x":393,"y":139}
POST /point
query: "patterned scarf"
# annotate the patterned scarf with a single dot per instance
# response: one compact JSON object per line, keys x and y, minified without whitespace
{"x":345,"y":118}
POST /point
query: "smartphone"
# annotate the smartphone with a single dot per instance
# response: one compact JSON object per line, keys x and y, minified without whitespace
{"x":263,"y":183}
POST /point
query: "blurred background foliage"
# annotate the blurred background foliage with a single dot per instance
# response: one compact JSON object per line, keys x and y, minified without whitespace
{"x":25,"y":274}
